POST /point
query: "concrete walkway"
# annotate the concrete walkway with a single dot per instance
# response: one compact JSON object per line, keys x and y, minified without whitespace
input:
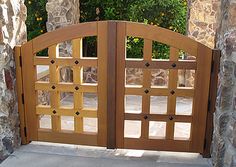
{"x":52,"y":155}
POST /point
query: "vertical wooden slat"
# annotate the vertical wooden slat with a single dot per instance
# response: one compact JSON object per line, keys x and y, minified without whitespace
{"x":29,"y":77}
{"x":102,"y":83}
{"x":171,"y":105}
{"x":212,"y":99}
{"x":201,"y":95}
{"x":19,"y":86}
{"x":111,"y":84}
{"x":120,"y":83}
{"x":54,"y":79}
{"x":77,"y":79}
{"x":147,"y":56}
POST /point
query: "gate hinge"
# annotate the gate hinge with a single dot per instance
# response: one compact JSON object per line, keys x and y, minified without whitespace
{"x":22,"y":98}
{"x":205,"y":143}
{"x":212,"y":66}
{"x":25,"y":131}
{"x":20,"y":61}
{"x":209,"y":105}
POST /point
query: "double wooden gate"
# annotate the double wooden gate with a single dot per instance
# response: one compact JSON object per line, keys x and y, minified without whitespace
{"x":118,"y":126}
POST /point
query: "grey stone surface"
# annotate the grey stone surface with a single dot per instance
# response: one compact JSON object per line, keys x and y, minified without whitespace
{"x":49,"y":155}
{"x":13,"y":32}
{"x":223,"y":149}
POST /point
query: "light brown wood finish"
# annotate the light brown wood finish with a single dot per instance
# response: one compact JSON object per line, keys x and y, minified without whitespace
{"x":107,"y":46}
{"x":120,"y":83}
{"x":19,"y":86}
{"x":29,"y":77}
{"x":77,"y":79}
{"x":53,"y":53}
{"x":162,"y":35}
{"x":147,"y":78}
{"x":102,"y":82}
{"x":64,"y":34}
{"x":200,"y":106}
{"x":161,"y":64}
{"x":171,"y":105}
{"x":212,"y":100}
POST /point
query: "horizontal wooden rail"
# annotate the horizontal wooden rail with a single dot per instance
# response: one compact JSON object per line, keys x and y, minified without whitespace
{"x":158,"y":117}
{"x":47,"y":110}
{"x":93,"y":62}
{"x":159,"y":92}
{"x":161,"y":64}
{"x":66,"y":87}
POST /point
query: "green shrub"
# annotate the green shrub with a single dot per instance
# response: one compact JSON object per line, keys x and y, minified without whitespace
{"x":170,"y":14}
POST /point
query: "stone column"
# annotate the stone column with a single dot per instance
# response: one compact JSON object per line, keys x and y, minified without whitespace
{"x":62,"y":13}
{"x":224,"y":139}
{"x":13,"y":32}
{"x":202,"y":23}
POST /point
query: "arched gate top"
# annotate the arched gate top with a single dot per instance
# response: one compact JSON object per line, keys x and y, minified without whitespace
{"x":134,"y":29}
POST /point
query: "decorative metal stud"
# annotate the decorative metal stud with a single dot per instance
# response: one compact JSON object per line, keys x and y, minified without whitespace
{"x":77,"y":113}
{"x":52,"y":61}
{"x":147,"y":64}
{"x":146,"y":91}
{"x":76,"y":62}
{"x":173,"y":65}
{"x":54,"y":112}
{"x":53,"y":87}
{"x":171,"y":118}
{"x":172,"y":92}
{"x":145,"y":117}
{"x":76,"y":88}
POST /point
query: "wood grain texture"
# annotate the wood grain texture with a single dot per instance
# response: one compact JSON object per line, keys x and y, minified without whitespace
{"x":19,"y":86}
{"x":200,"y":103}
{"x":29,"y":77}
{"x":212,"y":98}
{"x":102,"y":82}
{"x":120,"y":83}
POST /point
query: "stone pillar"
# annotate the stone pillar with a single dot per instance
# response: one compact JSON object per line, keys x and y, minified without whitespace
{"x":62,"y":13}
{"x":224,"y":139}
{"x":13,"y":32}
{"x":202,"y":23}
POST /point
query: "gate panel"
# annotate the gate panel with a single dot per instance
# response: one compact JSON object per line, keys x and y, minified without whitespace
{"x":75,"y":90}
{"x":156,"y":130}
{"x":171,"y":121}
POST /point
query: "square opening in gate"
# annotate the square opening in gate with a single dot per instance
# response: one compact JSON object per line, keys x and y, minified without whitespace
{"x":134,"y":48}
{"x":45,"y":122}
{"x":132,"y":129}
{"x":160,"y":51}
{"x":42,"y":53}
{"x":184,"y":105}
{"x":90,"y":75}
{"x":42,"y":73}
{"x":90,"y":46}
{"x":90,"y":125}
{"x":66,"y":99}
{"x":158,"y":104}
{"x":65,"y":74}
{"x":133,"y":104}
{"x":65,"y":49}
{"x":67,"y":123}
{"x":182,"y":131}
{"x":157,"y":130}
{"x":160,"y":78}
{"x":185,"y":56}
{"x":90,"y":101}
{"x":43,"y":97}
{"x":134,"y":77}
{"x":186,"y":78}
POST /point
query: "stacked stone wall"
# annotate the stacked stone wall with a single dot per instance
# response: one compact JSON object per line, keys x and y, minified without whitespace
{"x":12,"y":32}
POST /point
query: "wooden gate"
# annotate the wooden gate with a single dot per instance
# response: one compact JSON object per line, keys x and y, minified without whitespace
{"x":115,"y":121}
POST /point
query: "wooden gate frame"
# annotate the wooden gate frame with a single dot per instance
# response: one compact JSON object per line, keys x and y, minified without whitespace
{"x":113,"y":32}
